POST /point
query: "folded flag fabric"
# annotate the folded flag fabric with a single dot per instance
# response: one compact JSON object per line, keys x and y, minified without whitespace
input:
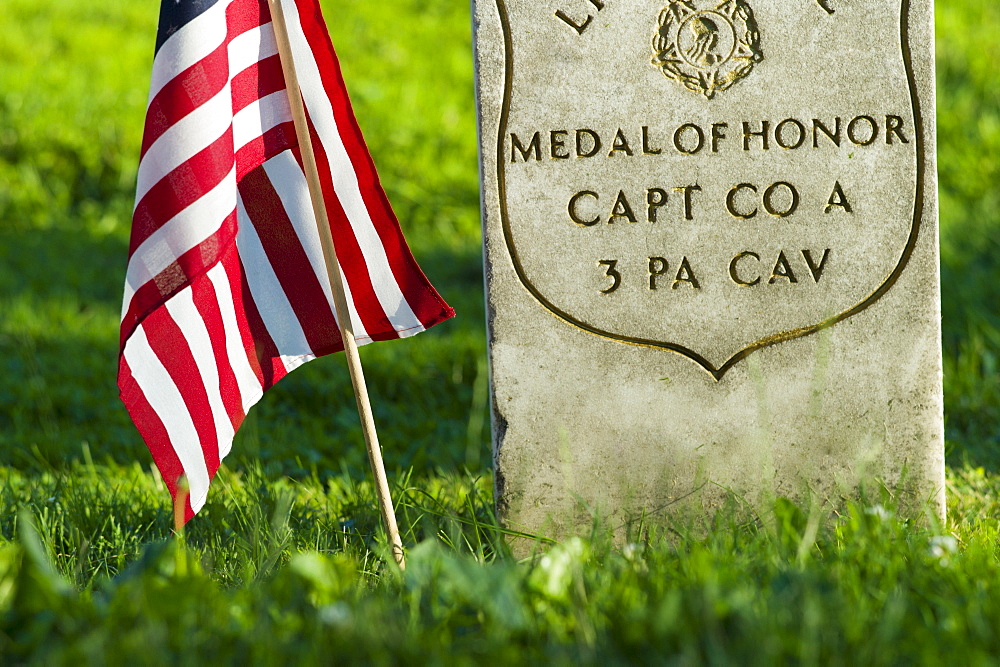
{"x":226,"y":289}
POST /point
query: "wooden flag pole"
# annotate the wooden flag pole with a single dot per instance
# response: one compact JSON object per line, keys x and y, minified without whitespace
{"x":180,"y":504}
{"x":336,"y":280}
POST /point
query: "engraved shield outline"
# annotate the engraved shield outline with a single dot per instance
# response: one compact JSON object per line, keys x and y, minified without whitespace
{"x":716,"y":372}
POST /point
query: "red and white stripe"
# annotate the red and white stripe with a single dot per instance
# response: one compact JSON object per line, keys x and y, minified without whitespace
{"x":226,"y":289}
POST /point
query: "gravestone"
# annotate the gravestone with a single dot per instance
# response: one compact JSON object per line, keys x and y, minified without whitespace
{"x":711,"y":249}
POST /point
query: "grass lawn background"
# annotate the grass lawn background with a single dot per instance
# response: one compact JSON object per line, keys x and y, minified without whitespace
{"x":286,"y":561}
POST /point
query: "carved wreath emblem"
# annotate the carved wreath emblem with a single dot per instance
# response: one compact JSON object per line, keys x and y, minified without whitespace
{"x":706,"y":46}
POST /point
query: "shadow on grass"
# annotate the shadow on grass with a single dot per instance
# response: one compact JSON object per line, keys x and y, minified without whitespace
{"x":60,"y":291}
{"x":60,"y":295}
{"x":970,"y":299}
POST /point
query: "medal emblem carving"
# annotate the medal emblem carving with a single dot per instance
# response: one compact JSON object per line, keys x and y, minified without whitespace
{"x":705,"y":45}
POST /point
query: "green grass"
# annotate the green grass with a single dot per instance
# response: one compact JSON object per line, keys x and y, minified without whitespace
{"x":287,"y":561}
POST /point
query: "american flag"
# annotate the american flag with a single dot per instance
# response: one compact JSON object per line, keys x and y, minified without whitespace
{"x":226,"y":289}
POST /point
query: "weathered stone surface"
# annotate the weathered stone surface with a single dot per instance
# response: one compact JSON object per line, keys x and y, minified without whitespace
{"x":711,"y":253}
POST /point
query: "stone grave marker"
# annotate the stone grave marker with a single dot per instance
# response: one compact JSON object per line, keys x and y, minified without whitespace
{"x":711,"y":254}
